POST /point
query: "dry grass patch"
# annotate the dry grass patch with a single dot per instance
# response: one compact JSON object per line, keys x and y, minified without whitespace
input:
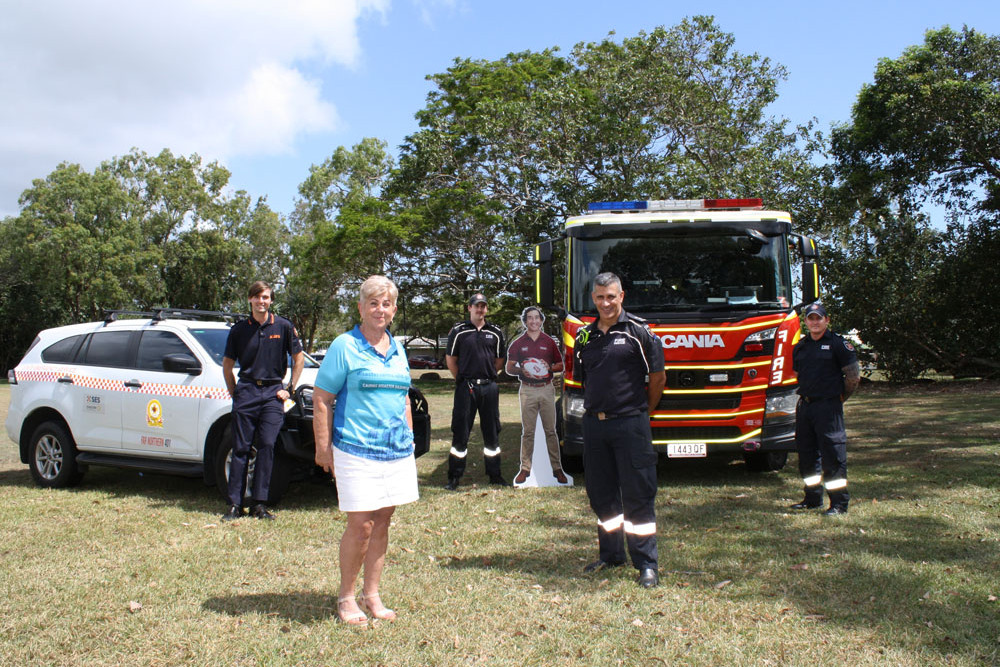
{"x":130,"y":569}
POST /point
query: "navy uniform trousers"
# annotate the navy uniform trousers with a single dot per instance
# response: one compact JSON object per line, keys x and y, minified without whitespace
{"x":257,"y":410}
{"x":621,"y":485}
{"x":471,"y":398}
{"x":821,"y":441}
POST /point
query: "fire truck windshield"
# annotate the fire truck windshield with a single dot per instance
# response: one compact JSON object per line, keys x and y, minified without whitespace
{"x":687,"y":272}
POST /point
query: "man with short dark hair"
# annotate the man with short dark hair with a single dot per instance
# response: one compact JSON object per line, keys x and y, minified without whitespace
{"x":474,"y":355}
{"x":614,"y":354}
{"x":828,"y":372}
{"x":261,"y":344}
{"x":533,"y":358}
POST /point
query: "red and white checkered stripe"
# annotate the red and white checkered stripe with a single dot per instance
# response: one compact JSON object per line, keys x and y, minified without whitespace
{"x":52,"y":374}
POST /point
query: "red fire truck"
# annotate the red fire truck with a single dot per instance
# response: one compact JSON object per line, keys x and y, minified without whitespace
{"x":713,"y":278}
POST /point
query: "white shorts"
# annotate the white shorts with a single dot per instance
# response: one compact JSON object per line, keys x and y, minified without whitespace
{"x":364,"y":485}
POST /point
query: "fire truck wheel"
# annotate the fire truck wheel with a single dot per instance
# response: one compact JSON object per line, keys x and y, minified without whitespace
{"x":765,"y":461}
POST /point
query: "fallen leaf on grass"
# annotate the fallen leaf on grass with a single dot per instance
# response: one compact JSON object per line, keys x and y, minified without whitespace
{"x":638,"y":623}
{"x":134,"y":606}
{"x":209,"y":525}
{"x":800,"y":566}
{"x":723,"y":584}
{"x":407,"y":550}
{"x":992,"y":598}
{"x":814,"y":617}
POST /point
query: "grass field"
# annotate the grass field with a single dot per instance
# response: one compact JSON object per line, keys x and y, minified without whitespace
{"x":131,"y":569}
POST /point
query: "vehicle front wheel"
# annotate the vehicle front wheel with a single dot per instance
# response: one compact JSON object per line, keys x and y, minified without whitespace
{"x":280,"y":474}
{"x":765,"y":461}
{"x":52,"y":457}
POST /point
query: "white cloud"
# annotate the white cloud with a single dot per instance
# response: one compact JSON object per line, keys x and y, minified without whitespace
{"x":85,"y":81}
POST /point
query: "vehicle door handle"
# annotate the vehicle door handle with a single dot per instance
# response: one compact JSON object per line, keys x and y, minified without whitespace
{"x":65,"y":379}
{"x":133,"y":384}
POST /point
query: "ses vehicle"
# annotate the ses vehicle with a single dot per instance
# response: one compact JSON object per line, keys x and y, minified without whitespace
{"x":713,"y":280}
{"x":145,"y":391}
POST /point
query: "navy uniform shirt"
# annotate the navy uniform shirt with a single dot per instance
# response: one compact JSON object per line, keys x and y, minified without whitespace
{"x":262,"y":349}
{"x":476,"y":350}
{"x":613,"y":366}
{"x":819,"y":364}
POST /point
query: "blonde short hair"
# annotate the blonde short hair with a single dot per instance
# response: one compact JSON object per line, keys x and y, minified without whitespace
{"x":376,"y":285}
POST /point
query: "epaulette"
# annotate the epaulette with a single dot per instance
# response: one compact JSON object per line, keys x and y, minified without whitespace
{"x":635,"y":318}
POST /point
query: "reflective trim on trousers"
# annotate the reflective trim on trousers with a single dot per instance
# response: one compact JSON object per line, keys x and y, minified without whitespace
{"x":641,"y":529}
{"x":812,"y":480}
{"x":459,"y":454}
{"x":835,"y":484}
{"x":612,"y":524}
{"x":491,"y":452}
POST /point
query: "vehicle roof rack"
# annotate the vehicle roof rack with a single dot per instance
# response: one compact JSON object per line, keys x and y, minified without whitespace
{"x":161,"y":314}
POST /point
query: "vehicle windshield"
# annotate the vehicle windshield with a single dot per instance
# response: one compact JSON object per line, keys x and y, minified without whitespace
{"x":716,"y":271}
{"x":214,"y":342}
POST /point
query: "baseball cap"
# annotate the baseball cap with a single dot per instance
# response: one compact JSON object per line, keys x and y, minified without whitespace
{"x":477,"y":298}
{"x":815,"y":308}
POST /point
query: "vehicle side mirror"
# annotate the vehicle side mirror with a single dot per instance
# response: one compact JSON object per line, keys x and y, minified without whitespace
{"x":181,"y":363}
{"x":810,"y":282}
{"x":544,"y":295}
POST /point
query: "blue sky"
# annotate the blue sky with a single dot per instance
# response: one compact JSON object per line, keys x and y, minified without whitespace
{"x":269,"y":88}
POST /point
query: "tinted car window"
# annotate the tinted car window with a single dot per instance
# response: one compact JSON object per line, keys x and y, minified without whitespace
{"x":213,"y":340}
{"x":63,"y":351}
{"x":154,"y":345}
{"x":108,"y":348}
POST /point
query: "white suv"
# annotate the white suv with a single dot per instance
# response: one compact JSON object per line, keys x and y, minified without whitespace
{"x":147,"y":393}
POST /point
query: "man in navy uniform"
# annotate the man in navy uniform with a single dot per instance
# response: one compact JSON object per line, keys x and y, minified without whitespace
{"x":828,"y":372}
{"x":614,"y":355}
{"x":474,"y":356}
{"x":261,"y":344}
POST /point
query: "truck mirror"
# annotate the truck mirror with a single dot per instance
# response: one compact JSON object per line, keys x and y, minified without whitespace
{"x":810,"y":282}
{"x":807,"y":247}
{"x":544,"y":294}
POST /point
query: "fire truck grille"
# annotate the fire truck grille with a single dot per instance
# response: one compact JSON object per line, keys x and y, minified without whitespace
{"x":721,"y":402}
{"x":696,"y":433}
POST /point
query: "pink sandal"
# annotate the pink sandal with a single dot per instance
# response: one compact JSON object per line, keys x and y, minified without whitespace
{"x":385,"y":614}
{"x":356,"y":618}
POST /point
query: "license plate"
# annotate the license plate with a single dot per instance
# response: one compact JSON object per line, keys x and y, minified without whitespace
{"x":686,"y":450}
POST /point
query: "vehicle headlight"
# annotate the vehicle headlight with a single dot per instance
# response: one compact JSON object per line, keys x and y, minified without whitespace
{"x":574,"y":407}
{"x":761,"y":336}
{"x":781,"y":405}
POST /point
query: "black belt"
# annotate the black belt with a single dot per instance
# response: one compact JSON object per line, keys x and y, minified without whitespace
{"x":260,"y":383}
{"x":477,"y":380}
{"x":619,"y":415}
{"x":817,"y":399}
{"x":534,"y":384}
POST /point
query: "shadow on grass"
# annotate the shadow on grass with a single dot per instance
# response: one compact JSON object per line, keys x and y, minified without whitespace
{"x":302,"y":606}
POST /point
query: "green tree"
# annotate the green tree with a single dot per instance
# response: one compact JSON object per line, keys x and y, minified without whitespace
{"x":508,"y":148}
{"x":343,"y":232}
{"x":928,"y":126}
{"x":138,"y":232}
{"x":926,"y":130}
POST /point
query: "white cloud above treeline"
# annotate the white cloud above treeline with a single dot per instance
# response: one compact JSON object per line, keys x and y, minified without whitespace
{"x":85,"y":81}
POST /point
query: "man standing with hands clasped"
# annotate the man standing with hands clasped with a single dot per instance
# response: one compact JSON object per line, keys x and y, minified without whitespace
{"x":532,"y":358}
{"x":262,"y":344}
{"x":614,"y":355}
{"x":474,"y":356}
{"x":828,"y":372}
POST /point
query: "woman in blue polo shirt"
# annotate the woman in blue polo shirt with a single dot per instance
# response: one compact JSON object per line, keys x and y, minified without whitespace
{"x":367,"y":372}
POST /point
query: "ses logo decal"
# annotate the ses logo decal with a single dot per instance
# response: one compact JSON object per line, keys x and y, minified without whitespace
{"x":154,"y":414}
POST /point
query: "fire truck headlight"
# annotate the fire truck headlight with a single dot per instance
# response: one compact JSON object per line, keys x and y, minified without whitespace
{"x":574,"y":407}
{"x":781,"y":405}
